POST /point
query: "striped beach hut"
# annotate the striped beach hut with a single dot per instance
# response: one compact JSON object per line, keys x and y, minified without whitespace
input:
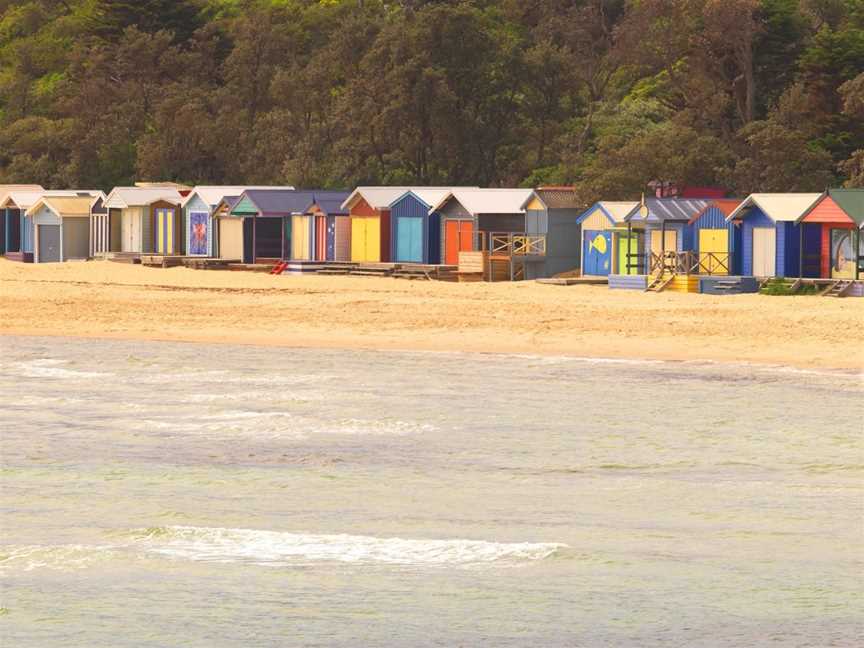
{"x":199,"y":231}
{"x":770,"y":234}
{"x":603,"y":224}
{"x":61,"y":226}
{"x":553,"y":212}
{"x":716,"y":240}
{"x":831,"y":236}
{"x":663,"y":229}
{"x":143,"y":220}
{"x":329,"y":226}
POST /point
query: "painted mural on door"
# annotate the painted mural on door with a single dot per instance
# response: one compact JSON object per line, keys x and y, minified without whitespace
{"x":597,"y":253}
{"x":842,"y":254}
{"x":199,"y":233}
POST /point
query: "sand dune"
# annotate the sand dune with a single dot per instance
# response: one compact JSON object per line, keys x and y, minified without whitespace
{"x":103,"y":299}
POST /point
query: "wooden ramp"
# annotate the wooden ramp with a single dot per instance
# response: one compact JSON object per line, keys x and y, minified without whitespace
{"x":838,"y":288}
{"x":659,"y":282}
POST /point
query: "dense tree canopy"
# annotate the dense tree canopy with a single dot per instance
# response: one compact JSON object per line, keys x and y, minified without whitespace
{"x":604,"y":94}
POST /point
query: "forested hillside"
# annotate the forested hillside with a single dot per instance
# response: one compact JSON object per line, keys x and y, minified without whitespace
{"x":750,"y":95}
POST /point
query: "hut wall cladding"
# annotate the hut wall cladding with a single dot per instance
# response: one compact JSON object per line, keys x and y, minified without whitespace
{"x":684,"y":283}
{"x":714,"y":219}
{"x":197,"y":206}
{"x":76,"y":238}
{"x":454,"y":211}
{"x":501,"y":222}
{"x":45,"y":218}
{"x":342,"y":242}
{"x":150,"y":237}
{"x":564,"y":241}
{"x":405,"y":246}
{"x":628,"y":282}
{"x":755,"y":218}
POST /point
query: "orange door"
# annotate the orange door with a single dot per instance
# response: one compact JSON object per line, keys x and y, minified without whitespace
{"x":320,"y":238}
{"x":458,"y":237}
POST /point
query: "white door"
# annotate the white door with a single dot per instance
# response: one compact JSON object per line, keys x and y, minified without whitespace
{"x":764,"y":251}
{"x":126,"y":229}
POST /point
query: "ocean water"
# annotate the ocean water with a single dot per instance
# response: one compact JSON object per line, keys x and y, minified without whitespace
{"x":159,"y":494}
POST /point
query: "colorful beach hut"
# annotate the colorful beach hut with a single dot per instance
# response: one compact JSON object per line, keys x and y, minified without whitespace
{"x":329,"y":226}
{"x":20,"y":233}
{"x":417,"y":226}
{"x":61,"y":226}
{"x":470,"y":213}
{"x":266,"y":217}
{"x":771,"y":239}
{"x":369,"y":211}
{"x":143,"y":220}
{"x":198,"y":207}
{"x":715,"y":239}
{"x":5,"y":219}
{"x":603,"y":225}
{"x":553,"y":212}
{"x":831,"y":234}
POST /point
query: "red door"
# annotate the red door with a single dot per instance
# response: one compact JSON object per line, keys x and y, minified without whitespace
{"x":320,"y":238}
{"x":458,"y":237}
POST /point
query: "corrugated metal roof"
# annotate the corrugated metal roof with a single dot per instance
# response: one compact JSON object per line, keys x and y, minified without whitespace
{"x":122,"y":197}
{"x":618,"y":209}
{"x":489,"y":201}
{"x":850,"y":201}
{"x":26,"y":199}
{"x":330,"y":202}
{"x":64,"y":205}
{"x":280,"y":202}
{"x":779,"y":207}
{"x":383,"y":197}
{"x":213,"y":195}
{"x":668,"y":209}
{"x":725,"y":205}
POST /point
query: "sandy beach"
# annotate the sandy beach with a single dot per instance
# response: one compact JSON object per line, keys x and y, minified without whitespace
{"x":110,"y":300}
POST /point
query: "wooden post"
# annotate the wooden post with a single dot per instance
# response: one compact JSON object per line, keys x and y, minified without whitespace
{"x":801,"y":251}
{"x":254,"y":238}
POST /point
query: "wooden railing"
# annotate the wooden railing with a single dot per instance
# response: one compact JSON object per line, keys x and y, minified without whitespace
{"x":711,"y":263}
{"x":513,"y":244}
{"x":686,"y":263}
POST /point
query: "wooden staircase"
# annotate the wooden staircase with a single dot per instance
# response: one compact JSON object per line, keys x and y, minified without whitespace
{"x":838,"y":288}
{"x":659,"y":282}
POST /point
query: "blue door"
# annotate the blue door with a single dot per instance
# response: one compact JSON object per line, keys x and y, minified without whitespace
{"x":199,"y":233}
{"x":409,"y":245}
{"x":597,"y":253}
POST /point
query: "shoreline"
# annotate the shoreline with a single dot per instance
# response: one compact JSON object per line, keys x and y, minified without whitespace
{"x":104,"y":300}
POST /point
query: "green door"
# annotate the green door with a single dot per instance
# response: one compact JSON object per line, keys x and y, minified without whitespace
{"x":623,"y":250}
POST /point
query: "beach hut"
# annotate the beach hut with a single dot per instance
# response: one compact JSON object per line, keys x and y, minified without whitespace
{"x":329,"y":226}
{"x":417,"y":226}
{"x":553,"y":212}
{"x":5,"y":223}
{"x":369,"y":211}
{"x":20,"y":234}
{"x":831,"y":236}
{"x":267,"y":221}
{"x":61,"y":226}
{"x":198,"y":206}
{"x":474,"y":213}
{"x":142,"y":220}
{"x":771,"y":238}
{"x":716,"y":240}
{"x":663,"y":226}
{"x":602,"y":226}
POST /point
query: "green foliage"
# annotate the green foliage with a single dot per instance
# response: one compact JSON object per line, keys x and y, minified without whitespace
{"x":606,"y":95}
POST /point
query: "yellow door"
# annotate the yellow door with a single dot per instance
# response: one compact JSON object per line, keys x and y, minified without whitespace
{"x":373,"y":240}
{"x":714,"y":252}
{"x":300,"y":238}
{"x":366,"y":240}
{"x":657,"y":239}
{"x":358,"y":239}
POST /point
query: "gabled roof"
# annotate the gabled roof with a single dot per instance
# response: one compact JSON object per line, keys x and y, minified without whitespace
{"x":429,"y":196}
{"x":850,"y":201}
{"x":213,"y":195}
{"x":779,"y":207}
{"x":329,"y":202}
{"x":26,"y":199}
{"x":376,"y":197}
{"x":668,"y":209}
{"x":488,"y":201}
{"x":556,"y":198}
{"x":64,"y":205}
{"x":278,"y":202}
{"x":616,"y":211}
{"x":725,"y":205}
{"x":123,"y":197}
